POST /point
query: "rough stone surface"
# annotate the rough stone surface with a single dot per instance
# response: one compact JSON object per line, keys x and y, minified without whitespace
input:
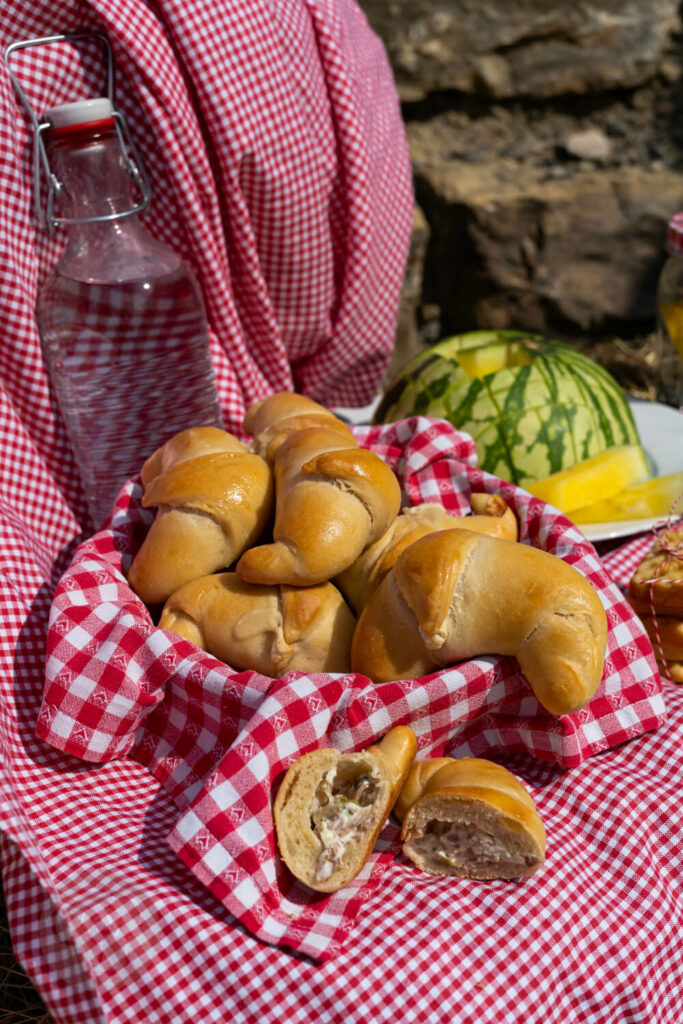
{"x":516,"y":242}
{"x":591,"y":144}
{"x":539,"y":48}
{"x":547,"y":146}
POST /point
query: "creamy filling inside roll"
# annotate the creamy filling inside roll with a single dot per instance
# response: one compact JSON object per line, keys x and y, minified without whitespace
{"x":343,"y":811}
{"x":454,"y":843}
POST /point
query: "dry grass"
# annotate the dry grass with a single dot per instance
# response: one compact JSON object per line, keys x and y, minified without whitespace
{"x":19,"y":1001}
{"x":633,"y":364}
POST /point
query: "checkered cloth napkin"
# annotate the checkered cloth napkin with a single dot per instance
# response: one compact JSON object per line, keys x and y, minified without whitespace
{"x":219,"y":740}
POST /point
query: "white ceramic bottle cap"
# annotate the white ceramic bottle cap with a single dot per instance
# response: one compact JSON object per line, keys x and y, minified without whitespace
{"x":79,"y":112}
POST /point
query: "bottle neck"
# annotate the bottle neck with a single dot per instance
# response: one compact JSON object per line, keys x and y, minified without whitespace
{"x":92,"y":174}
{"x":94,"y":181}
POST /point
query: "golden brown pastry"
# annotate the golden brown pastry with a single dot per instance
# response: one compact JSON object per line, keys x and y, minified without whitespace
{"x":470,"y":818}
{"x":331,"y":807}
{"x":666,"y":636}
{"x":272,"y":630}
{"x":656,"y":594}
{"x":415,"y":782}
{"x":456,"y":594}
{"x":211,"y":505}
{"x":663,"y":565}
{"x":331,"y":502}
{"x":672,"y":670}
{"x":274,"y":418}
{"x":491,"y":515}
{"x":187,"y":444}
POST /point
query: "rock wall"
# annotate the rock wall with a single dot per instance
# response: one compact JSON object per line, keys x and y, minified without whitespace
{"x":547,"y":146}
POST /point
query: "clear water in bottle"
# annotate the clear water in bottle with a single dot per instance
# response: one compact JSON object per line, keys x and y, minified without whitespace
{"x":121,"y":317}
{"x":130,"y":366}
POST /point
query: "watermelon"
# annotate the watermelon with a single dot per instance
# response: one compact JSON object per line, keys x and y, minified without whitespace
{"x":533,"y":406}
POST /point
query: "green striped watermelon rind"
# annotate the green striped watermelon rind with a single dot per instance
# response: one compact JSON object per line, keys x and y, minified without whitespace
{"x":526,"y":421}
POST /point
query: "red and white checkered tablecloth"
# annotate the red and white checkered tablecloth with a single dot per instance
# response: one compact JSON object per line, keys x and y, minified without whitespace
{"x":623,"y":561}
{"x":219,"y":741}
{"x":272,"y":136}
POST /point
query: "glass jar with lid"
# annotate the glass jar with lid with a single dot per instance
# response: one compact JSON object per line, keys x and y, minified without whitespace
{"x":669,"y":337}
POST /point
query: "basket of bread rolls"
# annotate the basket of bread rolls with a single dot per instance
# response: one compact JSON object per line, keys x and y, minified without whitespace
{"x":305,"y":557}
{"x":346,"y":577}
{"x":296,"y":552}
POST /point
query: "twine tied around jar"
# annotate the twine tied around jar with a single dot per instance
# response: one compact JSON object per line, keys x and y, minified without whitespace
{"x":673,"y":524}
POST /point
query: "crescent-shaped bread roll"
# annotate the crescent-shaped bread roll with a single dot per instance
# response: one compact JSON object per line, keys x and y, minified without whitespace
{"x":272,"y":630}
{"x":330,"y":808}
{"x":454,"y":595}
{"x":471,"y":818}
{"x":331,"y":502}
{"x":491,"y":515}
{"x":273,"y":419}
{"x":210,"y":507}
{"x":187,"y":444}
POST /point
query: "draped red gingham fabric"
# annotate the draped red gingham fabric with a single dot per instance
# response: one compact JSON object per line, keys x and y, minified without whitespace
{"x":272,"y":136}
{"x":113,"y":926}
{"x":218,"y":741}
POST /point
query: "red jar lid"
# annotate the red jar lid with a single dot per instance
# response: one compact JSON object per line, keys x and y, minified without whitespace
{"x":674,"y":237}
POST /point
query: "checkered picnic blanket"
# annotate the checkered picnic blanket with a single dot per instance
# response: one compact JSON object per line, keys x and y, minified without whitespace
{"x":272,"y":137}
{"x":219,"y":740}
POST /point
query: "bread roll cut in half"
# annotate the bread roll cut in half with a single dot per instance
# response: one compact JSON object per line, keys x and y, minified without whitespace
{"x":456,"y":594}
{"x":470,"y":818}
{"x":491,"y":515}
{"x":274,"y":418}
{"x":331,"y":501}
{"x":331,"y":807}
{"x":211,"y":504}
{"x":272,"y":630}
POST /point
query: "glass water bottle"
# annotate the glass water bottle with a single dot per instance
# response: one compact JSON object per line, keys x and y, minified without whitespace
{"x":121,"y":318}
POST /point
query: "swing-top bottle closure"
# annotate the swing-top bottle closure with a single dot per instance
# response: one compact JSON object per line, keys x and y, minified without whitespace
{"x":83,"y":115}
{"x":87,"y":119}
{"x":71,"y":119}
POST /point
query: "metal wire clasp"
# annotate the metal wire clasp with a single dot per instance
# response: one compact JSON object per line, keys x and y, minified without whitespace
{"x":41,"y":163}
